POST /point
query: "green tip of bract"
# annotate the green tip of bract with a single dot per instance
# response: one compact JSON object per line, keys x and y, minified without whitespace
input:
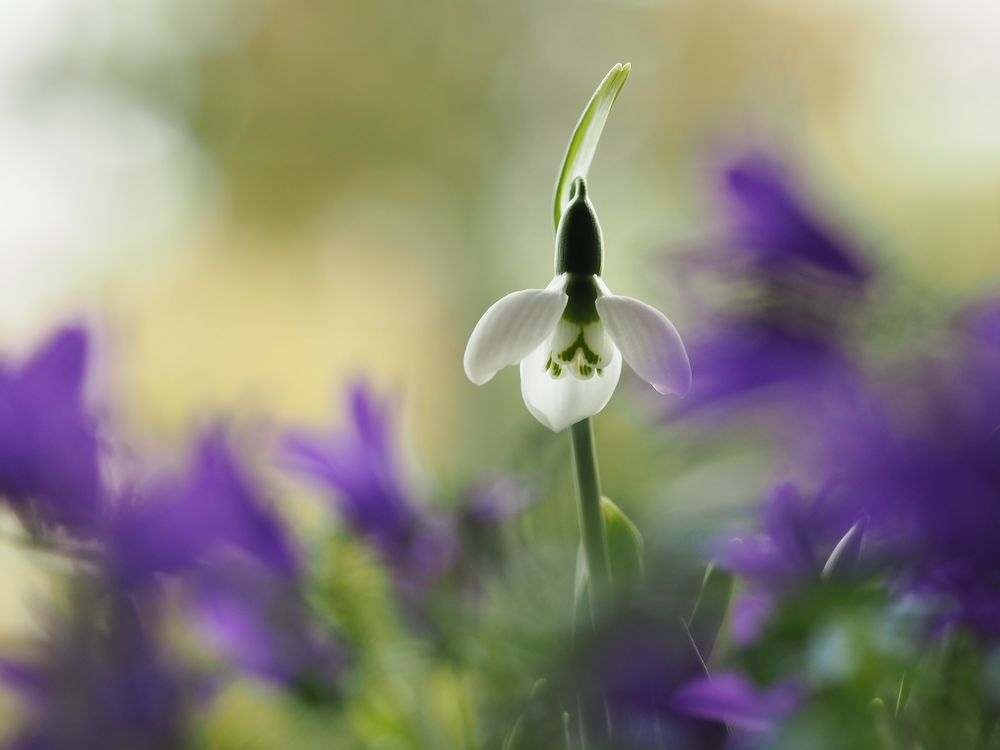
{"x":625,"y":546}
{"x":583,"y":143}
{"x":625,"y":557}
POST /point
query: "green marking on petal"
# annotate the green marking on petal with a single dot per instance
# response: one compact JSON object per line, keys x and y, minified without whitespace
{"x":567,"y":354}
{"x":579,"y":357}
{"x":579,"y":344}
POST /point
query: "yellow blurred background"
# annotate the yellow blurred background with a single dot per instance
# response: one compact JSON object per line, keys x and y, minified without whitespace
{"x":258,"y":201}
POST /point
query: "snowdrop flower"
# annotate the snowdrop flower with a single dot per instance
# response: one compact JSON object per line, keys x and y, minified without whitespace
{"x":570,"y":338}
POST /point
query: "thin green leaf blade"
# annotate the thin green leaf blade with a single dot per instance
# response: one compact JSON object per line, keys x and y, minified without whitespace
{"x":710,"y":610}
{"x":583,"y":144}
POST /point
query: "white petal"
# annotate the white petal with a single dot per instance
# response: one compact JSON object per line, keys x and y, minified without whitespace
{"x":510,"y":329}
{"x":558,"y":403}
{"x":598,"y":340}
{"x":648,"y":342}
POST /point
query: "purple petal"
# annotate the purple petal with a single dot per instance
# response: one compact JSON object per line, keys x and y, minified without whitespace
{"x":358,"y":466}
{"x":183,"y":523}
{"x":48,"y":445}
{"x":751,"y":610}
{"x":261,"y":622}
{"x":770,"y":218}
{"x":731,"y":698}
{"x":61,"y":363}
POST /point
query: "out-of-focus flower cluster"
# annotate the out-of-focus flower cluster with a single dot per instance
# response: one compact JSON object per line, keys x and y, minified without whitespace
{"x":184,"y":581}
{"x":868,"y":602}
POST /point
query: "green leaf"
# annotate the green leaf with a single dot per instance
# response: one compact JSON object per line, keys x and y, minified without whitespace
{"x":583,"y":144}
{"x":625,"y":547}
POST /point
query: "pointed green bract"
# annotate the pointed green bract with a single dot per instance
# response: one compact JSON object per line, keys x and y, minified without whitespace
{"x":583,"y":144}
{"x":625,"y":559}
{"x":625,"y":546}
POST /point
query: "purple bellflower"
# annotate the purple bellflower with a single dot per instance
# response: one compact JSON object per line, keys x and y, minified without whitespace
{"x":360,"y":467}
{"x":48,"y":447}
{"x":213,"y":528}
{"x":795,"y":281}
{"x":183,"y":523}
{"x":774,"y":231}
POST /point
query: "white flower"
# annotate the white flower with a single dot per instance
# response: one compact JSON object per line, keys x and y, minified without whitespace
{"x":570,"y":338}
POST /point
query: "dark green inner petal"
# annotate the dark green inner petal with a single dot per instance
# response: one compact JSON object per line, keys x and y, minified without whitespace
{"x":582,"y":292}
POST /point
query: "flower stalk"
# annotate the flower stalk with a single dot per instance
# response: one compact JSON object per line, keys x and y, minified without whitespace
{"x":588,"y":493}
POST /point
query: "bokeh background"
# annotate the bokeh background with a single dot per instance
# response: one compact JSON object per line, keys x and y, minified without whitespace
{"x":262,"y":199}
{"x":256,"y":202}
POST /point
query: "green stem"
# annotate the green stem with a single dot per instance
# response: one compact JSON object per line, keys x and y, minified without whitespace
{"x":588,"y":494}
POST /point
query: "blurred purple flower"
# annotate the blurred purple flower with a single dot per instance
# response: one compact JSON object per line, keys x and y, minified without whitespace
{"x":763,"y":362}
{"x":925,"y":467}
{"x":628,"y":674}
{"x":181,"y":524}
{"x":982,"y":320}
{"x":213,"y":528}
{"x":493,"y":501}
{"x":733,"y":699}
{"x":103,"y":684}
{"x":772,"y":227}
{"x":792,"y":284}
{"x":48,"y":447}
{"x":792,"y":548}
{"x":359,"y":467}
{"x":260,"y":621}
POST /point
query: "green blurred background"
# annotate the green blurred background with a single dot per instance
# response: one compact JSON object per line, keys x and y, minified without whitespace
{"x":255,"y":202}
